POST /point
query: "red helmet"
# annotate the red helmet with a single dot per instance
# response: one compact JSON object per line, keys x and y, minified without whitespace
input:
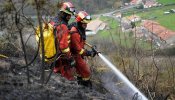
{"x":83,"y":17}
{"x":68,"y":8}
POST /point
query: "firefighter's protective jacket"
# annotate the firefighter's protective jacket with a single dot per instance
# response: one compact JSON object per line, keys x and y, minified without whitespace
{"x":63,"y":35}
{"x":78,"y":38}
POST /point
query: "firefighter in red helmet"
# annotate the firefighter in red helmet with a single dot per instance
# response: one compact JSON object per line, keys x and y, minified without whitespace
{"x":60,"y":22}
{"x":78,"y":39}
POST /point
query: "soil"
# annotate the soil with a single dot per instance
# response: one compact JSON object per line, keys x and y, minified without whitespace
{"x":14,"y":84}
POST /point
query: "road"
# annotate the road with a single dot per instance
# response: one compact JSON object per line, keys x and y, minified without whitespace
{"x":148,"y":34}
{"x":117,"y":10}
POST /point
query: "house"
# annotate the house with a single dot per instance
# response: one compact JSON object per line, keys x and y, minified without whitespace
{"x":118,"y":15}
{"x":158,"y":30}
{"x":134,"y":2}
{"x":150,"y":3}
{"x":134,"y":18}
{"x":94,"y":26}
{"x":126,"y":24}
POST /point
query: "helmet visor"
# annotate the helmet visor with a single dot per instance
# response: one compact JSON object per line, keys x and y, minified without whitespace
{"x":70,"y":10}
{"x":86,"y":20}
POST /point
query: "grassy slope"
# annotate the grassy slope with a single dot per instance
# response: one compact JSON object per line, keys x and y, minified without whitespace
{"x":167,"y":20}
{"x":114,"y":33}
{"x":157,"y":14}
{"x":166,"y":1}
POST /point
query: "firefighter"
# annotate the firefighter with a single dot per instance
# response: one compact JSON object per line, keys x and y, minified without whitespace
{"x":78,"y":39}
{"x":67,"y":9}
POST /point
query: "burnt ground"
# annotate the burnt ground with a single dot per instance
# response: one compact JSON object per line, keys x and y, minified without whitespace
{"x":14,"y":85}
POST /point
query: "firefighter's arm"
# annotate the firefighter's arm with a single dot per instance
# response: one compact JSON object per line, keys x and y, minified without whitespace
{"x":64,"y":40}
{"x":75,"y":41}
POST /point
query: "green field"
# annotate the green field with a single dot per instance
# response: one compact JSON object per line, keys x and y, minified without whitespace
{"x":115,"y":34}
{"x":166,"y":1}
{"x":157,"y":14}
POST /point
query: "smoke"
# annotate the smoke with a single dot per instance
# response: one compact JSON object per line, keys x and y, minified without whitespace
{"x":117,"y":84}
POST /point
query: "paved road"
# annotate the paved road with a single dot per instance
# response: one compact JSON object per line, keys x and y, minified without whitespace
{"x":117,"y":10}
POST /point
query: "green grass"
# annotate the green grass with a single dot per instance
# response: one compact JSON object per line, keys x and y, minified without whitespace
{"x":111,"y":21}
{"x":166,"y":1}
{"x":120,"y":38}
{"x":168,"y":21}
{"x":112,"y":24}
{"x":158,"y":15}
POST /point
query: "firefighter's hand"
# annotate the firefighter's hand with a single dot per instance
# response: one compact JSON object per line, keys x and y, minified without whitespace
{"x":72,"y":62}
{"x":91,"y":53}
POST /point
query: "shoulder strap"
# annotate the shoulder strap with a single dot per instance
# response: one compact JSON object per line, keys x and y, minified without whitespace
{"x":74,"y":24}
{"x":55,"y":36}
{"x":72,"y":32}
{"x":83,"y":36}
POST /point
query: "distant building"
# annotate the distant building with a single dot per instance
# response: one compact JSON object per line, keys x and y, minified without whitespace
{"x":118,"y":15}
{"x":158,"y":30}
{"x":126,"y":24}
{"x":94,"y":26}
{"x":135,"y":2}
{"x":134,"y":18}
{"x":150,"y":3}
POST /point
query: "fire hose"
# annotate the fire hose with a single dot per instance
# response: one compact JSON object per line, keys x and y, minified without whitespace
{"x":119,"y":74}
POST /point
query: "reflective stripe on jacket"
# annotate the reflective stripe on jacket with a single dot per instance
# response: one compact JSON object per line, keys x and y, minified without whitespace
{"x":63,"y":36}
{"x":77,"y":43}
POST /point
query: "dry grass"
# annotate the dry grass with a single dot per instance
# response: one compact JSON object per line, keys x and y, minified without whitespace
{"x":154,"y":75}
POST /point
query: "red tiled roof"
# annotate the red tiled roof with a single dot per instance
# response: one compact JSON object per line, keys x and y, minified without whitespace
{"x":158,"y":30}
{"x":134,"y":1}
{"x":149,"y":3}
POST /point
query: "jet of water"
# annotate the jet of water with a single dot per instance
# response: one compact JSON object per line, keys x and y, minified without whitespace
{"x":123,"y":78}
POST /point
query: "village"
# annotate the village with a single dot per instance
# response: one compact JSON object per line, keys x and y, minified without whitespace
{"x":148,"y":29}
{"x":128,"y":46}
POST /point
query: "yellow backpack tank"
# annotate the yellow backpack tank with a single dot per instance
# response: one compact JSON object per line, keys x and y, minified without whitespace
{"x":49,"y":42}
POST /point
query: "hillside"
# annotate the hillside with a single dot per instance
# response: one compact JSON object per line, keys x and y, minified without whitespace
{"x":129,"y":40}
{"x":14,"y":84}
{"x":164,"y":2}
{"x":91,"y":6}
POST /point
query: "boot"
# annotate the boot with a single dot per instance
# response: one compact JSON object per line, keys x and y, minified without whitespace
{"x":86,"y":83}
{"x":79,"y":79}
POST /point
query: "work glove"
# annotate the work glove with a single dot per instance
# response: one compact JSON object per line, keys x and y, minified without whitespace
{"x":91,"y":53}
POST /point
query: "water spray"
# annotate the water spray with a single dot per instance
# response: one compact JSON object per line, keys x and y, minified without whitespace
{"x":118,"y":73}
